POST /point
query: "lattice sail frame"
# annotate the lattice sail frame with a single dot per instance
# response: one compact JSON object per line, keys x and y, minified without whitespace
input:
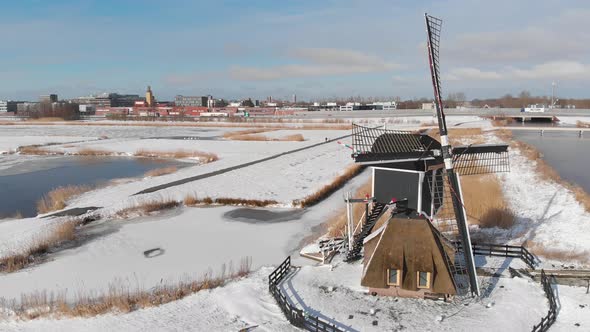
{"x":396,"y":141}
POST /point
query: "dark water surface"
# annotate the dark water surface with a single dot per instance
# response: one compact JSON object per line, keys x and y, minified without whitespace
{"x":20,"y":192}
{"x":567,"y":153}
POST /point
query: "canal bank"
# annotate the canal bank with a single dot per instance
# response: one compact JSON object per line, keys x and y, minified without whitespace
{"x":22,"y":188}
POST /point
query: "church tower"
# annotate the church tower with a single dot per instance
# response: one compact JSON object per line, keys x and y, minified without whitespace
{"x":149,"y":97}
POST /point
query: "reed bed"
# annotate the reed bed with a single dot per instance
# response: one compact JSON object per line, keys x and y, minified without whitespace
{"x":204,"y":157}
{"x":561,"y":255}
{"x":350,"y":172}
{"x":39,"y":245}
{"x":337,"y":223}
{"x":93,"y":152}
{"x":146,"y":208}
{"x":120,"y":297}
{"x":37,"y":150}
{"x":58,"y":197}
{"x":193,"y":200}
{"x":161,"y":171}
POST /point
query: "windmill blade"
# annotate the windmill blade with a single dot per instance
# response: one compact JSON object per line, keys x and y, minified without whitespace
{"x":378,"y":145}
{"x":433,"y":29}
{"x":481,"y":159}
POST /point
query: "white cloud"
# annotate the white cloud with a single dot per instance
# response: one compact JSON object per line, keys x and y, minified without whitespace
{"x":321,"y":62}
{"x":553,"y":70}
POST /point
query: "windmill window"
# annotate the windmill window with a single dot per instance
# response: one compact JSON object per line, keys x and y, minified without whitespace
{"x":423,"y":279}
{"x":394,"y":277}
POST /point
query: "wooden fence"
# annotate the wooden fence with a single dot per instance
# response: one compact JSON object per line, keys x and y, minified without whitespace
{"x":297,"y":317}
{"x":502,"y":250}
{"x":548,"y":320}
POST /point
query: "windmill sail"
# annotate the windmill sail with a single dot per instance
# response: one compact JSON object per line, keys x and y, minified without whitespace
{"x":433,"y":29}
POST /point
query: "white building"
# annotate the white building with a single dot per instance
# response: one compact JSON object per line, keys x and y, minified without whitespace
{"x":427,"y":106}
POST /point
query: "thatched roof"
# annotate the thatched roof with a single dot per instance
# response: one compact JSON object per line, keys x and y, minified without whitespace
{"x":410,"y":245}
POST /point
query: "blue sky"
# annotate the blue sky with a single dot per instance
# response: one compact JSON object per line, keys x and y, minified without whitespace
{"x":315,"y":49}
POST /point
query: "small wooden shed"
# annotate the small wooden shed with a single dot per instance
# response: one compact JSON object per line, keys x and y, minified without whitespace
{"x":408,"y":258}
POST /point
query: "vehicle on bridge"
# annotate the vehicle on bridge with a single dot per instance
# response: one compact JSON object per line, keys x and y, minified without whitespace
{"x":535,"y":108}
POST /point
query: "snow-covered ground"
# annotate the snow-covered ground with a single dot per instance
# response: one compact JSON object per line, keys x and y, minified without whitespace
{"x":197,"y":239}
{"x":334,"y":293}
{"x":240,"y":304}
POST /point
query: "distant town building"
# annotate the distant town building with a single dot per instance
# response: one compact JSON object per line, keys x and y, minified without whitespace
{"x":52,"y":98}
{"x":150,"y":99}
{"x":193,"y":101}
{"x":108,"y":100}
{"x":8,"y":106}
{"x":427,"y":106}
{"x":87,"y":109}
{"x":25,"y":108}
{"x":294,"y":99}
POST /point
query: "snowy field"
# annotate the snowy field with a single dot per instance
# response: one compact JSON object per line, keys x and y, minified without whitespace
{"x":195,"y":240}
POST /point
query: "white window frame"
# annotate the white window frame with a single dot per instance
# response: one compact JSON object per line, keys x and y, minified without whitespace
{"x":399,"y":278}
{"x":428,"y":279}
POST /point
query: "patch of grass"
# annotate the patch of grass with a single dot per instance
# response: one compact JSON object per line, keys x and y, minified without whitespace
{"x":145,"y":208}
{"x":461,"y":136}
{"x":54,"y":236}
{"x":193,"y":200}
{"x":120,"y":297}
{"x":485,"y":203}
{"x":337,"y":223}
{"x":204,"y":157}
{"x":235,"y":135}
{"x":58,"y":197}
{"x":161,"y":171}
{"x":540,"y":249}
{"x":350,"y":172}
{"x":252,"y":135}
{"x":292,"y":138}
{"x":93,"y":152}
{"x":37,"y":150}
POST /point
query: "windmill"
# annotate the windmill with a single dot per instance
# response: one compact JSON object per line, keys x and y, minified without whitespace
{"x":433,"y":29}
{"x":417,"y":176}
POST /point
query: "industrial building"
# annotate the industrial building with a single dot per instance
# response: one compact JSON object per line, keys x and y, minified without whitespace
{"x":191,"y":101}
{"x":8,"y":106}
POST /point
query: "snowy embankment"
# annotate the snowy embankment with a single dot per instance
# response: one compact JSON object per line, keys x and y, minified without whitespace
{"x":238,"y":305}
{"x":547,"y":213}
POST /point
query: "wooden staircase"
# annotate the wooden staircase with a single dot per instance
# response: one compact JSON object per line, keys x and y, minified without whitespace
{"x":354,"y":253}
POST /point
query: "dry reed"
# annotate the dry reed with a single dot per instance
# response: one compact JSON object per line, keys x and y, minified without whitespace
{"x":204,"y":157}
{"x":193,"y":200}
{"x":485,"y":203}
{"x":145,"y":208}
{"x":337,"y":223}
{"x":543,"y":169}
{"x":161,"y":171}
{"x":93,"y":152}
{"x":557,"y":254}
{"x":120,"y":297}
{"x":58,"y":197}
{"x":582,"y":124}
{"x":37,"y":150}
{"x":39,"y":245}
{"x":350,"y":172}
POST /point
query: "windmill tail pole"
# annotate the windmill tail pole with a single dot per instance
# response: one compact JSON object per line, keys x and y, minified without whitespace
{"x":433,"y":27}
